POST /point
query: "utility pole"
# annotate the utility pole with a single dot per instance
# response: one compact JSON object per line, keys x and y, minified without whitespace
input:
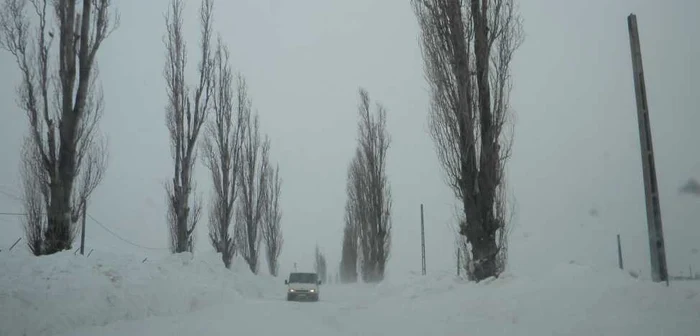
{"x":659,"y":271}
{"x":82,"y":231}
{"x":619,"y":253}
{"x":422,"y":240}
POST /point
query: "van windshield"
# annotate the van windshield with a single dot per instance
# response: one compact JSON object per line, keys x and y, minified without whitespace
{"x":303,"y":277}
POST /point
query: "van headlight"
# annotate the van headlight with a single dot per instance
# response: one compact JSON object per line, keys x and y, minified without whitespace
{"x":312,"y":291}
{"x":291,"y":290}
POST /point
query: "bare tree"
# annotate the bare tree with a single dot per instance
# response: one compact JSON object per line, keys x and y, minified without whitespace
{"x":251,"y":209}
{"x":467,"y":49}
{"x":374,"y":192}
{"x":35,"y":183}
{"x":320,"y":265}
{"x":354,"y":216}
{"x":272,"y":229}
{"x":223,"y":151}
{"x":63,"y":103}
{"x":185,"y":114}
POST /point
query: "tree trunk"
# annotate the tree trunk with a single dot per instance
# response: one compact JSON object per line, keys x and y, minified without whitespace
{"x":484,"y":253}
{"x":57,"y":236}
{"x":253,"y":256}
{"x":226,"y":251}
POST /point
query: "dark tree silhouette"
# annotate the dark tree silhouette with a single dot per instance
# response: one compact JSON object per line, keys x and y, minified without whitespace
{"x":63,"y":103}
{"x":185,"y":114}
{"x":468,"y":47}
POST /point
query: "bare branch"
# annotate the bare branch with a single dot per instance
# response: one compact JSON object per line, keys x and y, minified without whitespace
{"x":92,"y":170}
{"x":34,"y":199}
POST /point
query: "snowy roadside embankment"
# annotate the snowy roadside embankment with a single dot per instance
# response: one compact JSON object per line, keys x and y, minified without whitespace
{"x":61,"y":292}
{"x":569,"y":299}
{"x":117,"y":295}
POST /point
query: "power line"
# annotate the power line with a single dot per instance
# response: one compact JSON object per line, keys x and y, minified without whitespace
{"x":124,"y":239}
{"x":103,"y":227}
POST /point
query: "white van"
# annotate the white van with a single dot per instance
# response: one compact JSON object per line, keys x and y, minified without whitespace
{"x":302,"y":286}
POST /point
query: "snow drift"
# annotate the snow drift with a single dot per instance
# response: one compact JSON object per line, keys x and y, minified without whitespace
{"x":108,"y":294}
{"x":570,"y":299}
{"x":56,"y":293}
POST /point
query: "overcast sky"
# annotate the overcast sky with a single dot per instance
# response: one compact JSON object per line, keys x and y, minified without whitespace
{"x":576,"y":139}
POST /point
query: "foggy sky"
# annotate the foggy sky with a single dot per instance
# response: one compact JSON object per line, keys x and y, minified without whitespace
{"x":576,"y":139}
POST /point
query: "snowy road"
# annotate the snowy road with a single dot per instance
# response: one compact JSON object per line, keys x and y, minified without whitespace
{"x":338,"y":313}
{"x":251,"y":317}
{"x":342,"y":311}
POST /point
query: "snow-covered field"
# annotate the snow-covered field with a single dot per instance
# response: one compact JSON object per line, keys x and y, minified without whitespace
{"x":108,"y":294}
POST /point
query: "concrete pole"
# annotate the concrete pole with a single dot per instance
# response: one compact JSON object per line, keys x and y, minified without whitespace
{"x":657,"y":249}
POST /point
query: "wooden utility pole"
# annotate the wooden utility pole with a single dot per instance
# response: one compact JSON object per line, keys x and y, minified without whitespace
{"x":422,"y":240}
{"x":82,"y":231}
{"x":659,"y":271}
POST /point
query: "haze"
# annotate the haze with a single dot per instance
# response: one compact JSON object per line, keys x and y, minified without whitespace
{"x":575,"y":174}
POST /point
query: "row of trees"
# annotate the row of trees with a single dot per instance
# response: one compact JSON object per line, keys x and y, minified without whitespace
{"x":246,"y":188}
{"x":64,"y":156}
{"x":467,"y":45}
{"x":367,"y":233}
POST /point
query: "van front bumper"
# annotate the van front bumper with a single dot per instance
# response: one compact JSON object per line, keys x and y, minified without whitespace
{"x":302,"y":296}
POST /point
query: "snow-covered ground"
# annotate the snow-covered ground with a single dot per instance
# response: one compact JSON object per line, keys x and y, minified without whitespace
{"x":60,"y":292}
{"x":108,"y":294}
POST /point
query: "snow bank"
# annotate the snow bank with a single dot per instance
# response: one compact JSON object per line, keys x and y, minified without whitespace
{"x":181,"y":295}
{"x":569,"y":299}
{"x":60,"y":292}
